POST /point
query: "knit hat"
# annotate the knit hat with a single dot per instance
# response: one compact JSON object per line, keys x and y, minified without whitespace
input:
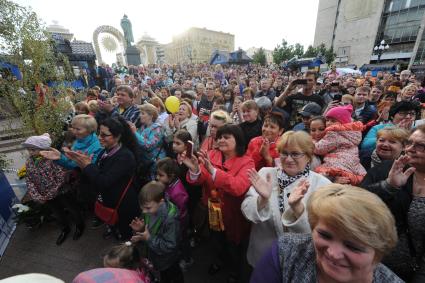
{"x":341,"y":113}
{"x":39,"y":142}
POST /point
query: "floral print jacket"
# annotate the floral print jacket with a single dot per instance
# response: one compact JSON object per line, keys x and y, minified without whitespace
{"x":44,"y":179}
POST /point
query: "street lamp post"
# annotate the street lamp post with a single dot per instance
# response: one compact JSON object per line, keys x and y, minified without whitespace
{"x":381,"y":48}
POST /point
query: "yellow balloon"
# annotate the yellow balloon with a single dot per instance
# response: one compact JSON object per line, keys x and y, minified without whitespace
{"x":172,"y":104}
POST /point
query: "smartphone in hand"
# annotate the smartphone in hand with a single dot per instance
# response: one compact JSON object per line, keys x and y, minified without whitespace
{"x":189,"y":149}
{"x":300,"y":81}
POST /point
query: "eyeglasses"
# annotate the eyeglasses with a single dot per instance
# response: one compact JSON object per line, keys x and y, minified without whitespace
{"x":420,"y":147}
{"x":404,"y":114}
{"x":103,"y":135}
{"x":209,"y":88}
{"x":293,"y":155}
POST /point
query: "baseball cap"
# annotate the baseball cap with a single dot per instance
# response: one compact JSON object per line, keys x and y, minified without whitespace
{"x":311,"y":109}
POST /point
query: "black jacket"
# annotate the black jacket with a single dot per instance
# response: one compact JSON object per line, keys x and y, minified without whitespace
{"x":367,"y":114}
{"x":251,"y":130}
{"x":397,"y":200}
{"x":109,"y":177}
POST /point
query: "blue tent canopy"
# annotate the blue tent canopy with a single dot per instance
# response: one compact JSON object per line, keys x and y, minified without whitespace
{"x":305,"y":62}
{"x":375,"y":68}
{"x":13,"y":69}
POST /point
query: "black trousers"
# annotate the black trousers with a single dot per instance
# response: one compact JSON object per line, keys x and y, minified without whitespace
{"x":66,"y":202}
{"x":231,"y":254}
{"x":173,"y":274}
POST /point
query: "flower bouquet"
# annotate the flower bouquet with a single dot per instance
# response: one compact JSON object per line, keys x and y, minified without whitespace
{"x":32,"y":214}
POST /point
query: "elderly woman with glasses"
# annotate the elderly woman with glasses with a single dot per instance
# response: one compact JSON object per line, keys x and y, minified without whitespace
{"x":401,"y":185}
{"x":276,"y":200}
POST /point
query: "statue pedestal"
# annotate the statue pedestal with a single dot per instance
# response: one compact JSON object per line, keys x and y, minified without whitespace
{"x":132,"y":56}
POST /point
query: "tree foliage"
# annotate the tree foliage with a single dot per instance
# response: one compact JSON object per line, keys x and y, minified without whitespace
{"x":259,"y":57}
{"x":25,"y":43}
{"x":285,"y":51}
{"x":326,"y":53}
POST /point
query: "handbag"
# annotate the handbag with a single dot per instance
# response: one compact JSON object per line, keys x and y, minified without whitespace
{"x":110,"y":215}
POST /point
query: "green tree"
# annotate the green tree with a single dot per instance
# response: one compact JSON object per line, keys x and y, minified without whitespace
{"x":326,"y":53}
{"x":310,"y":52}
{"x":25,"y":43}
{"x":259,"y":57}
{"x":282,"y":52}
{"x":298,"y":50}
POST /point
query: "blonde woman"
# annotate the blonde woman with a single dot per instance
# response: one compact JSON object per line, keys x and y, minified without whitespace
{"x":182,"y":120}
{"x":352,"y":229}
{"x":268,"y":202}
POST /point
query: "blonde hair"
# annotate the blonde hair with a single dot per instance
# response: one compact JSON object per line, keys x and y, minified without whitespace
{"x":349,"y":97}
{"x":356,"y":214}
{"x":250,"y":105}
{"x":299,"y":139}
{"x":93,"y":106}
{"x":122,"y":256}
{"x":156,"y":101}
{"x":406,"y":88}
{"x":82,"y":106}
{"x":189,"y":108}
{"x":221,"y":115}
{"x":150,"y":109}
{"x":248,"y":90}
{"x":399,"y":134}
{"x":86,"y":121}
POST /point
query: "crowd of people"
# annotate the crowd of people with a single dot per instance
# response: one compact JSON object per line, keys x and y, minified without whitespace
{"x":290,"y":177}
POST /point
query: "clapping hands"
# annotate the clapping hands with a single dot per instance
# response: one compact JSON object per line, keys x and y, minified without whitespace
{"x":295,"y":198}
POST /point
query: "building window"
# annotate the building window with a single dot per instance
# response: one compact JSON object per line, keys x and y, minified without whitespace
{"x":343,"y":51}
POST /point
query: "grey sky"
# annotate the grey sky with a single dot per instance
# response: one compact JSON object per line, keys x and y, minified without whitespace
{"x":260,"y":23}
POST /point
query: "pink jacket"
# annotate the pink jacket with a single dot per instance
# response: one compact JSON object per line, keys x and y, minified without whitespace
{"x":339,"y":147}
{"x":178,"y":195}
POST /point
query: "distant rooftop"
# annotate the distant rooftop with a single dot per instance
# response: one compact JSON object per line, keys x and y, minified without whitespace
{"x":82,"y":48}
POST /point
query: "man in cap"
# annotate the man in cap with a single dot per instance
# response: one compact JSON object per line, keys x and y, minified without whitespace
{"x":307,"y":112}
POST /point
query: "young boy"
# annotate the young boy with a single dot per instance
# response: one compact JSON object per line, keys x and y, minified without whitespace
{"x":159,"y":231}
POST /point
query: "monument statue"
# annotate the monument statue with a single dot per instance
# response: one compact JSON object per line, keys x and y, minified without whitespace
{"x":128,"y":32}
{"x":132,"y":54}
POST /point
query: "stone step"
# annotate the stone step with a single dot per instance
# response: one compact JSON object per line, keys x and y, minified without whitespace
{"x":10,"y":142}
{"x":10,"y":135}
{"x":11,"y":148}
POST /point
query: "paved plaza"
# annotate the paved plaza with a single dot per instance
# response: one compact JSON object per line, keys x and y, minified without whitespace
{"x":36,"y":251}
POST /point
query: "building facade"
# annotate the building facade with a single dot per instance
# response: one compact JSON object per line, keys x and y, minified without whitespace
{"x":353,"y":28}
{"x":148,"y":48}
{"x":196,"y":45}
{"x":269,"y":54}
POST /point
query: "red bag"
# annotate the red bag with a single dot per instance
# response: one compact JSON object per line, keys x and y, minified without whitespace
{"x":110,"y":215}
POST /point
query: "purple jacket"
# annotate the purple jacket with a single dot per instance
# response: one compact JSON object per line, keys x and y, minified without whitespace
{"x":178,"y":195}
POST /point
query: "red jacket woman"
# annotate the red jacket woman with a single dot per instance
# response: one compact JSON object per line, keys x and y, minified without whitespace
{"x":224,"y":172}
